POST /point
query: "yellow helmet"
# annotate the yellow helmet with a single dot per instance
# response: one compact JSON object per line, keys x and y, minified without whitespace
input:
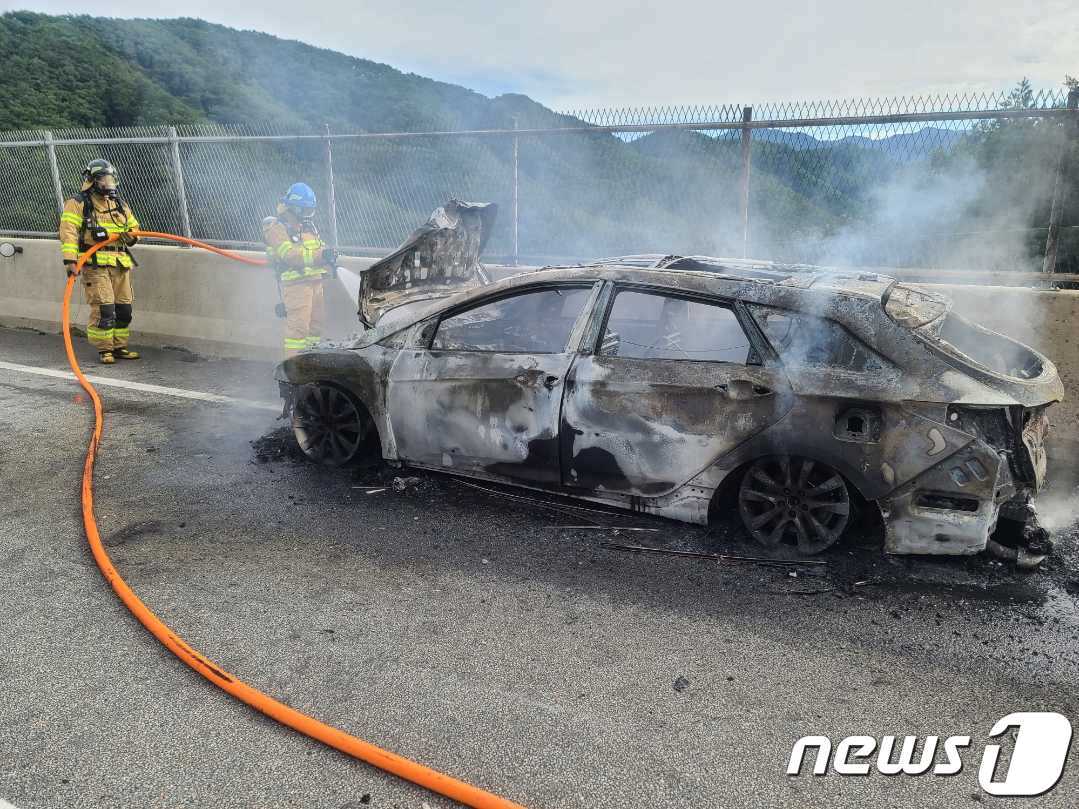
{"x":101,"y":176}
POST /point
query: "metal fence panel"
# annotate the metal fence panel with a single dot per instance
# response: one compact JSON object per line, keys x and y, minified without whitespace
{"x":232,"y":185}
{"x":27,"y":201}
{"x":386,"y":187}
{"x":956,"y":181}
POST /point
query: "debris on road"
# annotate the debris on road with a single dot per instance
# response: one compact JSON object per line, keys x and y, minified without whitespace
{"x":403,"y":484}
{"x":277,"y":445}
{"x":722,"y":557}
{"x":563,"y":508}
{"x":816,"y":592}
{"x":615,"y":528}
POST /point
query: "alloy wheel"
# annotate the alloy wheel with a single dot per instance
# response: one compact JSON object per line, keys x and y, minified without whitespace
{"x":796,"y":501}
{"x":328,"y":425}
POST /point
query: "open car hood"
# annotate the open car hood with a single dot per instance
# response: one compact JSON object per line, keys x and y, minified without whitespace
{"x":441,"y":257}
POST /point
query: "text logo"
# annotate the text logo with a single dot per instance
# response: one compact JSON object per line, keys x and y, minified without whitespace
{"x":1036,"y":764}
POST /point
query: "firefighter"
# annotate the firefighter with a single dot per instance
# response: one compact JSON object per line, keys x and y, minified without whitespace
{"x":302,"y":261}
{"x":91,"y":216}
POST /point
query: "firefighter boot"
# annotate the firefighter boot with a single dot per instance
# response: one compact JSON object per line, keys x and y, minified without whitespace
{"x":124,"y":353}
{"x":107,"y":358}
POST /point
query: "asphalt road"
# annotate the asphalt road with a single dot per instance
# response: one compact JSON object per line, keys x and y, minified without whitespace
{"x":472,"y":632}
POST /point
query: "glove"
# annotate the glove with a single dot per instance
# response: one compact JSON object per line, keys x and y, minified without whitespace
{"x":69,"y":266}
{"x":329,"y":256}
{"x":99,"y":234}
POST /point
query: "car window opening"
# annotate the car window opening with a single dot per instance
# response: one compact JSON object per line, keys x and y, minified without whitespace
{"x":536,"y":322}
{"x":801,"y":339}
{"x":645,"y":325}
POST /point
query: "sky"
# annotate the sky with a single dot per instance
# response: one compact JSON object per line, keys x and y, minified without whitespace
{"x":579,"y":54}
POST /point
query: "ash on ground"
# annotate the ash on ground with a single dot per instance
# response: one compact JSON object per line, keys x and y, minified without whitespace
{"x":855,"y":566}
{"x":278,"y":445}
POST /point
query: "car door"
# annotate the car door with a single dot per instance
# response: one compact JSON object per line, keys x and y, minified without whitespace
{"x":675,"y":383}
{"x":483,"y":391}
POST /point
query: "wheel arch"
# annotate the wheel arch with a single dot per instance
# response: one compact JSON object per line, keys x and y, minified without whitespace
{"x":373,"y":440}
{"x":724,"y":498}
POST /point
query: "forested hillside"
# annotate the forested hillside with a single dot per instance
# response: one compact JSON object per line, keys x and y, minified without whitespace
{"x":94,"y":71}
{"x":964,"y":196}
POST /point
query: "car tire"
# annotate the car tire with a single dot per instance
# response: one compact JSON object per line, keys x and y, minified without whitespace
{"x":330,"y":426}
{"x":791,"y":500}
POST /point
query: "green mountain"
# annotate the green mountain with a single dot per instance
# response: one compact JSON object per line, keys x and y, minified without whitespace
{"x":886,"y":201}
{"x":74,"y":71}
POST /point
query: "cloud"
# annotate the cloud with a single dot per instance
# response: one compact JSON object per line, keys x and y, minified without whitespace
{"x":569,"y":54}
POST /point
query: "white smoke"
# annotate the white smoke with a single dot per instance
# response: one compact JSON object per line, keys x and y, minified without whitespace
{"x":350,"y":281}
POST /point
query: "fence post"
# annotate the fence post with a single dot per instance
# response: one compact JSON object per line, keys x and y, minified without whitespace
{"x":516,"y":197}
{"x":331,"y":190}
{"x":747,"y":152}
{"x":1056,"y":211}
{"x":178,"y":173}
{"x":57,"y":189}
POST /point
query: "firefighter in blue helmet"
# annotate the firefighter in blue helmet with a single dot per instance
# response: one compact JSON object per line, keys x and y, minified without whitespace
{"x":302,"y":262}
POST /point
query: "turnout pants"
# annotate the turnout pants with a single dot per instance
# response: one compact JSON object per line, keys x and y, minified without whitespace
{"x":306,"y":313}
{"x":108,"y":291}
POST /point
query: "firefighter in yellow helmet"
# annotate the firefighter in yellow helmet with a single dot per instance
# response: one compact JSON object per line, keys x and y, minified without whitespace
{"x":91,"y":216}
{"x":302,"y":262}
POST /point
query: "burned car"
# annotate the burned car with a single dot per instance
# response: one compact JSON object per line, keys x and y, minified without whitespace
{"x":794,"y":396}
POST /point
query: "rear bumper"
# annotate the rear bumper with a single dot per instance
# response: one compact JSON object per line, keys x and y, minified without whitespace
{"x":954,"y":507}
{"x":909,"y":528}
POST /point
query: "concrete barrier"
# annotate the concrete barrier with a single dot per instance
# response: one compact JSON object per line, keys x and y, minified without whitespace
{"x":183,"y":296}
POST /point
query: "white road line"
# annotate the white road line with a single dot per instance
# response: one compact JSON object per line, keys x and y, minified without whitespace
{"x":105,"y":382}
{"x":5,"y":805}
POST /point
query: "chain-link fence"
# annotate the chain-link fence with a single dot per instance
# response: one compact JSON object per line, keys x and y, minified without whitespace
{"x":980,"y":181}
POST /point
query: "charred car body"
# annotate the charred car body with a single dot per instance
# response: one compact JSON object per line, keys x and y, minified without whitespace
{"x":668,"y":389}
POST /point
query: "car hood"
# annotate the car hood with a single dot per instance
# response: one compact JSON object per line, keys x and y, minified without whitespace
{"x":441,"y":257}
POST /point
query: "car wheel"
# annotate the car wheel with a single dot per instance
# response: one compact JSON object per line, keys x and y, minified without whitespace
{"x":795,"y":501}
{"x":328,"y":424}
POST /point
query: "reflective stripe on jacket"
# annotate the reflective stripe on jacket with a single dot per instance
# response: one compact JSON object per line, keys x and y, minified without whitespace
{"x":295,"y":253}
{"x":114,"y":217}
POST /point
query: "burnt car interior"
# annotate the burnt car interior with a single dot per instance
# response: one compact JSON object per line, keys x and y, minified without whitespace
{"x":649,"y":325}
{"x":990,"y":350}
{"x":537,"y":322}
{"x":803,"y":339}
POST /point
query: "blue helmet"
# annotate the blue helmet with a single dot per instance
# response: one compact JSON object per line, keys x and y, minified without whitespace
{"x":300,"y":195}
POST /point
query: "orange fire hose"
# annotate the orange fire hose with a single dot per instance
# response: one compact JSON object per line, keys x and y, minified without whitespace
{"x":376,"y":756}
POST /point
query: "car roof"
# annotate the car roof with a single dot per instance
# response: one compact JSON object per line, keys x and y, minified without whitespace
{"x":733,"y":278}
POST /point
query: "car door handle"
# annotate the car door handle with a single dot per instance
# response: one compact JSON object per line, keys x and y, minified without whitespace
{"x":742,"y":389}
{"x":550,"y":381}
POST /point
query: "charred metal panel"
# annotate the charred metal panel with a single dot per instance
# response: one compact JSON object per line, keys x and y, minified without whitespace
{"x":862,"y":425}
{"x":478,"y":411}
{"x":361,"y":374}
{"x":909,"y":444}
{"x":439,"y":258}
{"x":641,"y":426}
{"x":914,"y":517}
